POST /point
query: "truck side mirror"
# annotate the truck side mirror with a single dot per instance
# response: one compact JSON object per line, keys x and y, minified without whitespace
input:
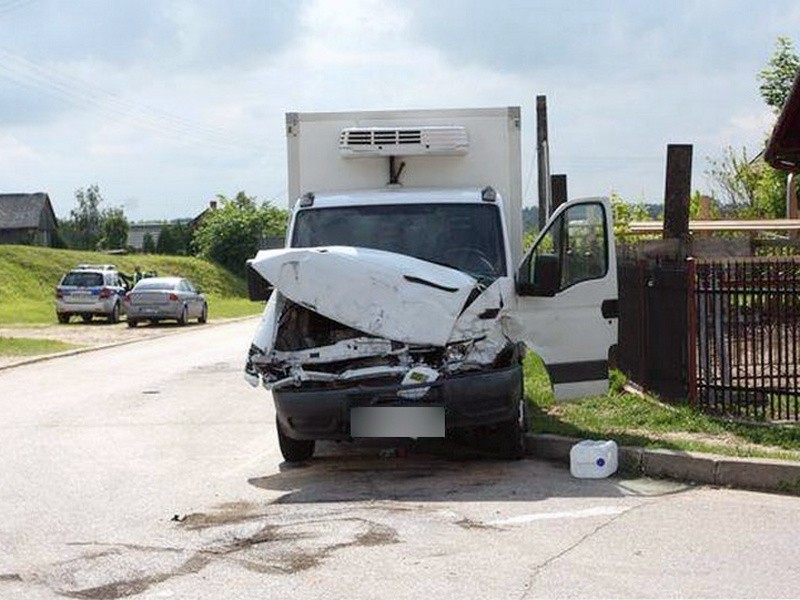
{"x":258,"y":288}
{"x":546,"y":277}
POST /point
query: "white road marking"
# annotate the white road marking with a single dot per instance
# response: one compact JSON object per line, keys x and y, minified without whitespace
{"x":596,"y":511}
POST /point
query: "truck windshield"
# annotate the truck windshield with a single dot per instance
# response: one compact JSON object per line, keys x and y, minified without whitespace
{"x":467,"y":237}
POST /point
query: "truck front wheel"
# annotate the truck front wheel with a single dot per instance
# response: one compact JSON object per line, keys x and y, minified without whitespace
{"x":293,"y":450}
{"x":508,"y":439}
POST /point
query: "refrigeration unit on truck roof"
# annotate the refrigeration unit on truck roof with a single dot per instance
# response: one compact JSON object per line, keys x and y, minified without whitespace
{"x":403,"y":141}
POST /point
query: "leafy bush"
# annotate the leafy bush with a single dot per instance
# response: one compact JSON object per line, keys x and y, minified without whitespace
{"x":232,"y":233}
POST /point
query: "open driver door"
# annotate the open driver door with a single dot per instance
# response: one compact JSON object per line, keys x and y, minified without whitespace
{"x":566,"y":301}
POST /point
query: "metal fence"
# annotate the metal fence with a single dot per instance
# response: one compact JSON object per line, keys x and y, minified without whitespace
{"x":744,"y":338}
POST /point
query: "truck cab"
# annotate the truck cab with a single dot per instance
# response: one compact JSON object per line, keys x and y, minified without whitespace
{"x":405,"y":310}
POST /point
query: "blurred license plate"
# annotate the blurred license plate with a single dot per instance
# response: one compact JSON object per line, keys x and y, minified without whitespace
{"x":397,"y":421}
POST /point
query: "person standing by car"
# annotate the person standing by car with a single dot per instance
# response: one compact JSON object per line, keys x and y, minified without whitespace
{"x":137,"y":274}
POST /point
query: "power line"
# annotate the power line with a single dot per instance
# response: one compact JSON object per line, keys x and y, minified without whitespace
{"x":80,"y":93}
{"x":13,"y":5}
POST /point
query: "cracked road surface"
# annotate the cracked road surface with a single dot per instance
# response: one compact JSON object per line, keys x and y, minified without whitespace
{"x":152,"y":471}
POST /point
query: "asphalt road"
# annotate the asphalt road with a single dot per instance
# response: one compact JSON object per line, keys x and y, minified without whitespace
{"x":152,"y":471}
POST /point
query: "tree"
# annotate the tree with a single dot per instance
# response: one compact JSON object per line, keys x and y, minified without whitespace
{"x":778,"y":76}
{"x":148,"y":245}
{"x":183,"y":234}
{"x":166,"y":241}
{"x":624,"y":214}
{"x":174,"y":238}
{"x":751,"y":189}
{"x":113,"y":229}
{"x":82,"y":229}
{"x":232,"y":233}
{"x":695,"y":207}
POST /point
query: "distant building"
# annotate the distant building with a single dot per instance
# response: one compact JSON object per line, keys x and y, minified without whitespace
{"x":195,"y":223}
{"x":138,"y":231}
{"x":27,"y":219}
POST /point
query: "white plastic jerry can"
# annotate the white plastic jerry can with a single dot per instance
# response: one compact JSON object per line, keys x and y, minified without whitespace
{"x":593,"y":459}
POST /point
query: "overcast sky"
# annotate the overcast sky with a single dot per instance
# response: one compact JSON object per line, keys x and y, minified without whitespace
{"x":165,"y":104}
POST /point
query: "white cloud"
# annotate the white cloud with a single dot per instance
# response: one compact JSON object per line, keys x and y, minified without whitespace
{"x":16,"y":151}
{"x":744,"y":128}
{"x":190,"y":102}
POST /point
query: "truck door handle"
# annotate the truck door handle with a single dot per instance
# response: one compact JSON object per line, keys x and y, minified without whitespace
{"x":610,"y":309}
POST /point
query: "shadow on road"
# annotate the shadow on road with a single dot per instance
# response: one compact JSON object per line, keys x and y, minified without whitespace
{"x":439,"y":472}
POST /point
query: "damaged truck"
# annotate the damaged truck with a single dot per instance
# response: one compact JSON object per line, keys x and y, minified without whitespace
{"x":402,"y":305}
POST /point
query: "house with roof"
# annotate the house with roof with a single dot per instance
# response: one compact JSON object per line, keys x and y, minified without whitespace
{"x":27,"y":219}
{"x":783,"y":147}
{"x":138,"y":231}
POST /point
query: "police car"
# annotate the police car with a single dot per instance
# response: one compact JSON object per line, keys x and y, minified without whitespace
{"x":91,"y":291}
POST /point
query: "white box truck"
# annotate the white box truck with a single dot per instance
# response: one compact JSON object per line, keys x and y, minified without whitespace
{"x":403,"y":304}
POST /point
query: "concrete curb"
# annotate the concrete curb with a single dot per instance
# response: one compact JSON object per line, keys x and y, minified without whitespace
{"x":43,"y":357}
{"x":759,"y":474}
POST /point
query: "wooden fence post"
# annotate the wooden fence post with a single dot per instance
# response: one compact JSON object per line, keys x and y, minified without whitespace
{"x":677,"y":194}
{"x":558,"y":184}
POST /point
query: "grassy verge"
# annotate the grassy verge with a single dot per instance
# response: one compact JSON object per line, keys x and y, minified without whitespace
{"x":220,"y":307}
{"x":29,"y":275}
{"x":631,"y":420}
{"x":13,"y":346}
{"x":27,"y":312}
{"x":43,"y":313}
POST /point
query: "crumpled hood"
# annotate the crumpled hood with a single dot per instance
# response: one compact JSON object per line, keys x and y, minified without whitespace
{"x":388,"y":295}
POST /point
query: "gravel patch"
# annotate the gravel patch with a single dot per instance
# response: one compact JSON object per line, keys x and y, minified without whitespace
{"x":95,"y":333}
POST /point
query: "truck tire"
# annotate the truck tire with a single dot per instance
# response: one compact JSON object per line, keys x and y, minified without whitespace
{"x":508,"y":439}
{"x":63,"y":317}
{"x":293,"y":451}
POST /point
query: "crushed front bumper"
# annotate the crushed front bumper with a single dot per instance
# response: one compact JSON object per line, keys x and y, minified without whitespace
{"x":470,"y":400}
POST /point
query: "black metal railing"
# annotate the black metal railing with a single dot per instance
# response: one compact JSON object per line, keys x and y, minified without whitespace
{"x":744,"y":339}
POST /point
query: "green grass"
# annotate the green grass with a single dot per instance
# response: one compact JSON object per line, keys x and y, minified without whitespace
{"x":222,"y":307}
{"x":14,"y":346}
{"x":646,"y":421}
{"x":29,"y":275}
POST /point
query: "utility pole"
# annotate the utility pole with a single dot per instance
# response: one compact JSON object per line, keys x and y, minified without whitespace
{"x":543,"y":162}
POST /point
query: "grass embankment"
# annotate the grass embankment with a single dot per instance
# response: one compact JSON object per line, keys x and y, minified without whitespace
{"x":32,"y":347}
{"x":29,"y":275}
{"x":632,"y":420}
